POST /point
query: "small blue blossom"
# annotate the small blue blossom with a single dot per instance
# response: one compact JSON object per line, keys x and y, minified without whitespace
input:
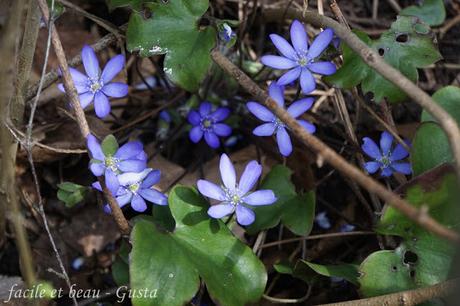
{"x":385,"y":159}
{"x":236,"y":197}
{"x":299,"y":58}
{"x":208,"y":123}
{"x":273,"y":125}
{"x":323,"y":220}
{"x":129,"y":158}
{"x":165,"y":116}
{"x":226,"y":33}
{"x":136,"y":188}
{"x":96,"y":86}
{"x":347,"y":228}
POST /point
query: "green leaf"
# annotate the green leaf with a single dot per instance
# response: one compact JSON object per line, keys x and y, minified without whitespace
{"x":172,"y":262}
{"x":173,"y":30}
{"x":407,"y":45}
{"x":109,"y":145}
{"x":422,"y":259}
{"x":430,"y":148}
{"x":431,"y":12}
{"x":448,"y":98}
{"x":70,"y":193}
{"x":295,"y":211}
{"x":58,"y":10}
{"x":348,"y":272}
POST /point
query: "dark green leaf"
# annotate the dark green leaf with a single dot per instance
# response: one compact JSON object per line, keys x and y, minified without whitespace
{"x":173,"y":30}
{"x":199,"y":246}
{"x":407,"y":45}
{"x":422,"y":259}
{"x":70,"y":193}
{"x":120,"y":272}
{"x":299,"y":213}
{"x":448,"y":97}
{"x":348,"y":272}
{"x":431,"y":12}
{"x":109,"y":145}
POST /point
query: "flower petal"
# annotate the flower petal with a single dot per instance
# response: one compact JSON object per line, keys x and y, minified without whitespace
{"x":85,"y":99}
{"x":299,"y":36}
{"x":80,"y":88}
{"x":283,"y":46}
{"x":210,"y":190}
{"x":220,"y":114}
{"x":371,"y":167}
{"x":97,"y":168}
{"x":205,"y":108}
{"x":276,"y":92}
{"x":154,"y":196}
{"x":138,"y":203}
{"x":111,"y":181}
{"x":211,"y":139}
{"x":94,"y":147}
{"x":78,"y":77}
{"x":299,"y":107}
{"x":124,"y":199}
{"x":194,"y":118}
{"x":112,"y":68}
{"x":266,"y":129}
{"x":260,"y":111}
{"x":386,"y":172}
{"x":386,"y":140}
{"x":399,"y":153}
{"x":116,"y":90}
{"x":101,"y":105}
{"x":278,"y":62}
{"x":311,"y":128}
{"x":244,"y":215}
{"x":129,"y":150}
{"x":289,"y":76}
{"x":90,"y":62}
{"x":222,"y":129}
{"x":96,"y":185}
{"x":307,"y":81}
{"x":404,"y":168}
{"x":132,"y":165}
{"x":220,"y":210}
{"x":284,"y":142}
{"x":370,"y":148}
{"x":196,"y":134}
{"x":320,"y":43}
{"x":151,"y":179}
{"x":227,"y":172}
{"x":324,"y":68}
{"x":130,"y":178}
{"x":249,"y":177}
{"x":260,"y":197}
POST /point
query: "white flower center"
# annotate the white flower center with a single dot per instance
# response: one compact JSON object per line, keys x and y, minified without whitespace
{"x":278,"y":124}
{"x":206,"y":124}
{"x":134,"y":187}
{"x":95,"y":84}
{"x":111,"y":163}
{"x":232,"y":196}
{"x":385,"y":161}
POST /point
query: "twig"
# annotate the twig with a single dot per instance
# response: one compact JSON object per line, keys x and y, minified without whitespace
{"x":406,"y":298}
{"x":8,"y":193}
{"x":419,"y":216}
{"x":289,"y":301}
{"x":316,"y":237}
{"x":371,"y":58}
{"x":80,"y":115}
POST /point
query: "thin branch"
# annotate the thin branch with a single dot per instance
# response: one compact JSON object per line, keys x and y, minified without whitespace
{"x":421,"y":217}
{"x":80,"y":115}
{"x":406,"y":298}
{"x":376,"y":62}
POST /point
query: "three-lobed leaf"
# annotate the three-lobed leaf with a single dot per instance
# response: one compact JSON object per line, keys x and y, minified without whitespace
{"x":173,"y":30}
{"x":431,"y":12}
{"x":173,"y":262}
{"x":407,"y":45}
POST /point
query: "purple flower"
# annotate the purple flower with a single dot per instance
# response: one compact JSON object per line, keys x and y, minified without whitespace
{"x":385,"y":158}
{"x":128,"y":158}
{"x":233,"y":196}
{"x":273,"y":125}
{"x":207,"y":123}
{"x":135,"y":188}
{"x":226,"y":33}
{"x":96,"y":85}
{"x":298,"y":58}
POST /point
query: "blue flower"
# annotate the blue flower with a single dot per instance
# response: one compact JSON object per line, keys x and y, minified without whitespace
{"x":96,"y":86}
{"x":233,"y":196}
{"x":299,"y":58}
{"x":323,"y":220}
{"x":273,"y":125}
{"x":135,"y":188}
{"x":226,"y":33}
{"x":129,"y":158}
{"x":385,"y":159}
{"x":208,"y":123}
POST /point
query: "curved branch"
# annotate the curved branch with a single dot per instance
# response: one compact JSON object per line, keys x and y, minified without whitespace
{"x":371,"y":58}
{"x":419,"y":216}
